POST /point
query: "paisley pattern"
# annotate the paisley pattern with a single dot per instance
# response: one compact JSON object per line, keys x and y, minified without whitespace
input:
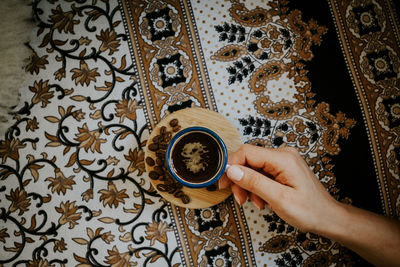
{"x":74,"y":191}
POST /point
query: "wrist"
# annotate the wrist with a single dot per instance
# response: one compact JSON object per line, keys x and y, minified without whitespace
{"x":335,"y":221}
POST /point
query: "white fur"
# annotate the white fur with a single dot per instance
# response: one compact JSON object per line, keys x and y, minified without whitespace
{"x":15,"y":27}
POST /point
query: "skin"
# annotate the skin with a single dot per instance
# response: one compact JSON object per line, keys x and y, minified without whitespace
{"x":281,"y":180}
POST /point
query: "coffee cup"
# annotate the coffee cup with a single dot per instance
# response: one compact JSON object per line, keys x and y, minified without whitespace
{"x":196,"y":157}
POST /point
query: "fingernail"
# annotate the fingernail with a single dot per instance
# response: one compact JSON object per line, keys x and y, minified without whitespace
{"x":234,"y":173}
{"x":237,"y":199}
{"x":219,"y":184}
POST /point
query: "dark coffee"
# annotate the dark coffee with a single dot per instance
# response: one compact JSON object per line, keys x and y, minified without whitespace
{"x":196,"y":157}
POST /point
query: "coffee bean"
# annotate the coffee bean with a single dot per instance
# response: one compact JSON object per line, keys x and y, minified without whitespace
{"x":173,"y":122}
{"x":156,"y":139}
{"x":178,"y":194}
{"x":163,"y":187}
{"x":212,"y":187}
{"x":159,"y":170}
{"x":176,"y":128}
{"x":185,"y":199}
{"x":163,"y":129}
{"x":160,"y":161}
{"x":150,"y":161}
{"x":163,"y":146}
{"x":154,"y":175}
{"x":160,"y":155}
{"x":167,"y":137}
{"x":153,"y":147}
{"x":172,"y":189}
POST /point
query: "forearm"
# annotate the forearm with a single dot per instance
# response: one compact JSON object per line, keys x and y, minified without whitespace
{"x":372,"y":236}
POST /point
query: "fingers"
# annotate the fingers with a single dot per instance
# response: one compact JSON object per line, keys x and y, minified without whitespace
{"x":224,"y":182}
{"x":271,"y":161}
{"x":239,"y":194}
{"x":257,"y":201}
{"x":253,"y":181}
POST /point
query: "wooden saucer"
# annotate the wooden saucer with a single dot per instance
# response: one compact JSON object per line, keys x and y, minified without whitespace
{"x":199,"y":198}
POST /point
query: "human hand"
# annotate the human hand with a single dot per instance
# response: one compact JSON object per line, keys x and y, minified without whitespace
{"x":281,"y":179}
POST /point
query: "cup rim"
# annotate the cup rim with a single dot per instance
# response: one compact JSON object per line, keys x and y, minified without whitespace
{"x":219,"y":140}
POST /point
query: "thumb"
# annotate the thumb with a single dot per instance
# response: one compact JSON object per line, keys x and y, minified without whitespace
{"x":255,"y":182}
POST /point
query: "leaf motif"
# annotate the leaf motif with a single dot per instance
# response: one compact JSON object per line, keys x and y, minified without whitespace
{"x":126,"y":237}
{"x":86,"y":162}
{"x":123,"y":63}
{"x":110,"y":174}
{"x":277,"y":244}
{"x":29,"y":240}
{"x":229,"y":53}
{"x":116,"y":23}
{"x":72,"y":160}
{"x":46,"y":40}
{"x":148,"y":201}
{"x":98,"y":231}
{"x":155,"y":258}
{"x":96,"y":115}
{"x":33,"y":169}
{"x":59,"y":42}
{"x":80,"y":241}
{"x":52,"y":119}
{"x":106,"y":220}
{"x":78,"y":98}
{"x":119,"y":79}
{"x":82,"y":53}
{"x":33,"y":223}
{"x":135,"y":210}
{"x":50,"y":137}
{"x":53,"y":144}
{"x":96,"y":213}
{"x":26,"y":182}
{"x":80,"y":259}
{"x":90,"y":233}
{"x":61,"y":111}
{"x":66,"y":150}
{"x":47,"y":199}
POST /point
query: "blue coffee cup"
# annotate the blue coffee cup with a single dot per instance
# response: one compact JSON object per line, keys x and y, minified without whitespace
{"x":196,"y":157}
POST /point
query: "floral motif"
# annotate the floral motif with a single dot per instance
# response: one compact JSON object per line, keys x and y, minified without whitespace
{"x":35,"y":63}
{"x":87,"y":195}
{"x":10,"y":148}
{"x":111,"y":196}
{"x":19,"y":201}
{"x":157,"y":231}
{"x":108,"y":41}
{"x":117,"y":259}
{"x":60,"y":74}
{"x":89,"y":139}
{"x":32,"y":125}
{"x":78,"y":115}
{"x":107,"y":237}
{"x":136,"y":157}
{"x":69,"y":213}
{"x":63,"y":21}
{"x":60,"y":245}
{"x":42,"y":94}
{"x":127,"y":109}
{"x":84,"y":75}
{"x":39,"y":263}
{"x":60,"y":183}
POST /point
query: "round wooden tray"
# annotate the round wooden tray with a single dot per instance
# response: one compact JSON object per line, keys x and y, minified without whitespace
{"x":199,"y":198}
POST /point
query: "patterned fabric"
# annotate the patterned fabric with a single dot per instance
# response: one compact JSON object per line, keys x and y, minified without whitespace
{"x":323,"y":77}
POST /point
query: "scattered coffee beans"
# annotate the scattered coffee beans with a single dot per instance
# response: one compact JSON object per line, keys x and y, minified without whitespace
{"x":160,"y":172}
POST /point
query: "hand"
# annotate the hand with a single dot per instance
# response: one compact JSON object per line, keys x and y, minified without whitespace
{"x":281,"y":179}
